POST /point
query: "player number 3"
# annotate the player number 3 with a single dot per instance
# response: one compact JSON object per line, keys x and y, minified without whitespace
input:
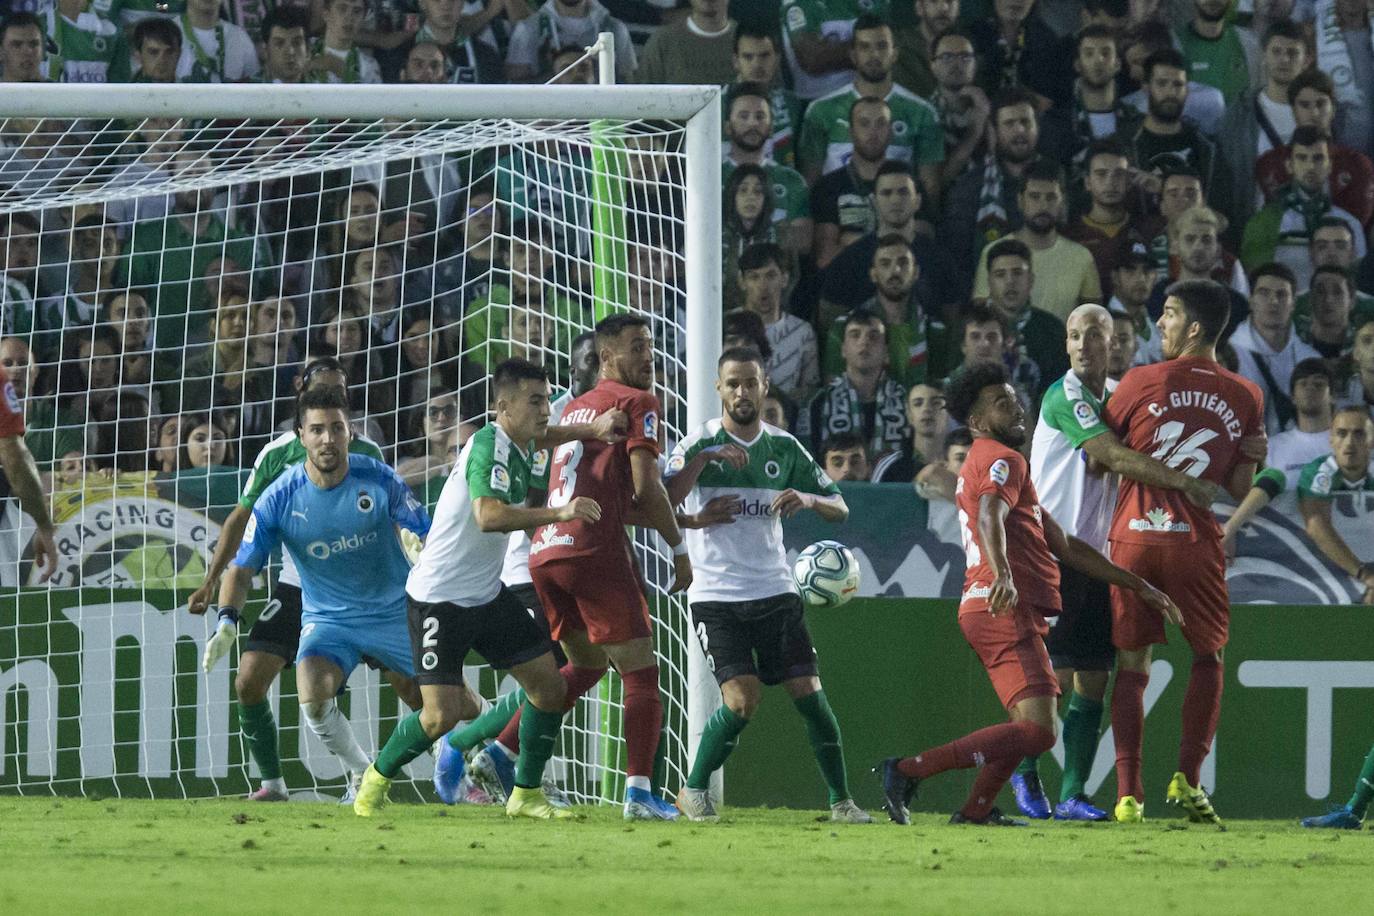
{"x":565,"y":460}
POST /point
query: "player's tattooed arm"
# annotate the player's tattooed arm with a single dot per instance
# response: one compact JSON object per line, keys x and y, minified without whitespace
{"x":992,"y":535}
{"x":492,"y":514}
{"x":1083,"y":557}
{"x":609,"y":427}
{"x":1107,"y":451}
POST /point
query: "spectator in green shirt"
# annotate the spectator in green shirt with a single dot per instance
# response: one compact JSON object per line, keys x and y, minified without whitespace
{"x":748,"y":127}
{"x":915,"y":44}
{"x":826,"y":142}
{"x":916,"y":342}
{"x":1219,"y":53}
{"x":486,"y":334}
{"x":756,"y":60}
{"x":169,"y":254}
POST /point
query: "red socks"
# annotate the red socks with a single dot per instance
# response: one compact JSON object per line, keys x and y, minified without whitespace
{"x":1201,"y":710}
{"x":1007,"y":741}
{"x":990,"y":781}
{"x":580,"y":680}
{"x":643,"y":720}
{"x":1128,"y":729}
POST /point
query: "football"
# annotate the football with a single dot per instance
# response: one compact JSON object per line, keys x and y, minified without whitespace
{"x":827,"y":574}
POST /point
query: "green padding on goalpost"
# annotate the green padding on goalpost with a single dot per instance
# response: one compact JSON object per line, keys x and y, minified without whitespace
{"x":610,"y":255}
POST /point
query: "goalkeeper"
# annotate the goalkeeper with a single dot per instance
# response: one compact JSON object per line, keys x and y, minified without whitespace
{"x":338,"y":516}
{"x":276,"y":634}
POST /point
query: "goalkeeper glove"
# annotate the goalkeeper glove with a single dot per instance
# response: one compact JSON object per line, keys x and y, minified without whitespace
{"x":412,"y":545}
{"x":226,"y":634}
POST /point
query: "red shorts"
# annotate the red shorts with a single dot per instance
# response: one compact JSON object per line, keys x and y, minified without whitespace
{"x":603,"y":598}
{"x":1012,"y":648}
{"x":1193,"y":574}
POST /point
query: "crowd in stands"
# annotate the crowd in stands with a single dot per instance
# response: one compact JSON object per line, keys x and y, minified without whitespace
{"x":909,"y":188}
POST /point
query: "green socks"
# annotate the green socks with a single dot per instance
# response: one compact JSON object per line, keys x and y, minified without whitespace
{"x":824,"y":733}
{"x":489,"y":724}
{"x":1082,"y":722}
{"x":538,"y":734}
{"x":1364,"y":787}
{"x":407,"y":742}
{"x":1029,"y":766}
{"x":261,"y":731}
{"x":717,"y":741}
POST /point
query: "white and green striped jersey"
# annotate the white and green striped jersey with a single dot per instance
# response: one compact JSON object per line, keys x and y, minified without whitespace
{"x":461,"y":563}
{"x":516,"y":570}
{"x":86,"y":48}
{"x":1080,"y":502}
{"x":745,"y":561}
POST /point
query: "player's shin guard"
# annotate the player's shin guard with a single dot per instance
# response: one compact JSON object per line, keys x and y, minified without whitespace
{"x":489,"y":724}
{"x":1082,"y":722}
{"x":643,"y":721}
{"x":1128,"y":729}
{"x":580,"y":680}
{"x":1008,"y":741}
{"x":407,"y":742}
{"x":330,"y":726}
{"x":823,"y":731}
{"x":538,"y":734}
{"x":1201,"y":710}
{"x":717,"y":743}
{"x":261,"y":731}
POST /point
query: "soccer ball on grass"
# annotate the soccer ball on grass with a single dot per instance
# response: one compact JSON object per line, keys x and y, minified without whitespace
{"x":827,"y":574}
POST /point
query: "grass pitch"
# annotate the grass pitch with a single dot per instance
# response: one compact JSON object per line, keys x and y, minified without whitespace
{"x":124,"y":856}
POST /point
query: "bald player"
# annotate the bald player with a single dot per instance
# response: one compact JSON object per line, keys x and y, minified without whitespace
{"x":1069,"y":432}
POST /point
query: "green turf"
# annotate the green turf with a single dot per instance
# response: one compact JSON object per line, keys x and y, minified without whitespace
{"x":114,"y":856}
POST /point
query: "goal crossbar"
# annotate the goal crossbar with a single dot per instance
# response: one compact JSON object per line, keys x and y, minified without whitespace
{"x":361,"y":101}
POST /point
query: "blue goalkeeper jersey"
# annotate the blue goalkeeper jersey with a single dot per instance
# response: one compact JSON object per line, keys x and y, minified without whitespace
{"x":344,"y":539}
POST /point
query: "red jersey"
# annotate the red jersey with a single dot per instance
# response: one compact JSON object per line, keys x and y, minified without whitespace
{"x":1191,"y":414}
{"x":598,"y":471}
{"x":1351,"y":184}
{"x":992,"y":467}
{"x":11,"y":411}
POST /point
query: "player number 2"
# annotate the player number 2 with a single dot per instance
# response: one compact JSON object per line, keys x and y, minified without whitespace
{"x":565,"y":459}
{"x":431,"y":627}
{"x":1189,"y":452}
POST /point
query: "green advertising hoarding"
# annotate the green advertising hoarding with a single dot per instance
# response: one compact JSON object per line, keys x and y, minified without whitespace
{"x":1295,"y":721}
{"x":102,"y":693}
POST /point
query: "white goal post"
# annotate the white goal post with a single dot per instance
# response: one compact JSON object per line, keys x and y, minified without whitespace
{"x":99,"y":691}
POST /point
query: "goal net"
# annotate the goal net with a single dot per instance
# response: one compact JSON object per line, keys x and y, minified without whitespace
{"x":173,"y":256}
